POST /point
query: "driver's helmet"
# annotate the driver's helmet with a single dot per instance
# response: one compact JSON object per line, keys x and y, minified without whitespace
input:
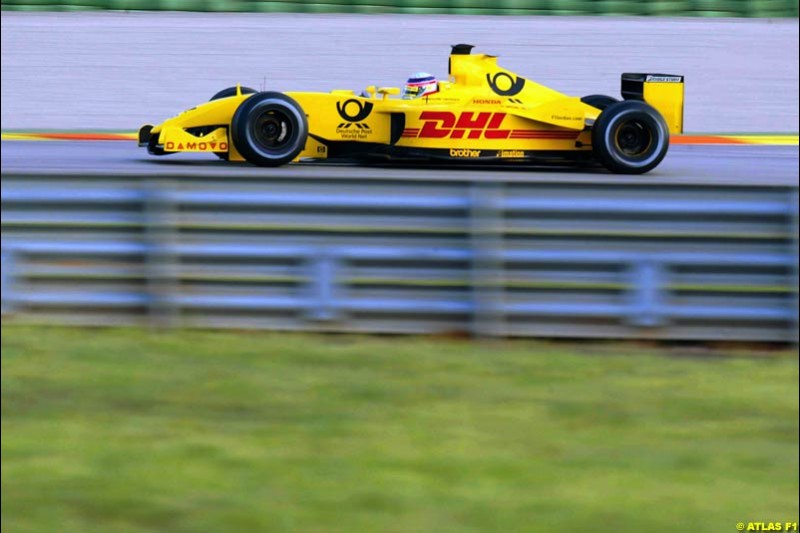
{"x":419,"y":85}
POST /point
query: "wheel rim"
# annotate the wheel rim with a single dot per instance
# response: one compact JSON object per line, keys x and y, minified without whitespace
{"x":633,"y":138}
{"x":272,"y":129}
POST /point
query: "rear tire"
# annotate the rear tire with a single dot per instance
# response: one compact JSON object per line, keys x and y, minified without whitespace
{"x":600,"y":101}
{"x":269,"y":129}
{"x":630,"y":137}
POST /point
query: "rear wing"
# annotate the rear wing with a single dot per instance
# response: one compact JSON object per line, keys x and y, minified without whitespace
{"x":662,"y":91}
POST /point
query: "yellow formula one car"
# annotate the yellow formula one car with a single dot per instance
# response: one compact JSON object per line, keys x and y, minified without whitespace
{"x":482,"y":113}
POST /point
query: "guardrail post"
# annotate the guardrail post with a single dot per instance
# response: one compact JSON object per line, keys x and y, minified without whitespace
{"x":159,"y":261}
{"x":7,"y":281}
{"x":323,"y":273}
{"x":646,"y":295}
{"x":794,"y":213}
{"x":486,"y":269}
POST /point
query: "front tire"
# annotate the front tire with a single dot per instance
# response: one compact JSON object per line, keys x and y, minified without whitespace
{"x":269,"y":129}
{"x":630,"y":137}
{"x":227,"y":93}
{"x":230,"y":91}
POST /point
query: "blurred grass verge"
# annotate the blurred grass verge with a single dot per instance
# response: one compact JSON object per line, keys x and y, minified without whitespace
{"x":128,"y":431}
{"x":676,"y":8}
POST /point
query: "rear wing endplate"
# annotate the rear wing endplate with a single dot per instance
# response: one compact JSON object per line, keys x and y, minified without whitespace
{"x":662,"y":91}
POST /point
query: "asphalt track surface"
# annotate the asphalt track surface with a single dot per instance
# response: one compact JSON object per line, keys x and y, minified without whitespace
{"x":700,"y":164}
{"x":119,"y":70}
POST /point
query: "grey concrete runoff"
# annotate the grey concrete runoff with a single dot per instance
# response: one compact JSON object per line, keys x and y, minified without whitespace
{"x":117,"y":70}
{"x":687,"y":164}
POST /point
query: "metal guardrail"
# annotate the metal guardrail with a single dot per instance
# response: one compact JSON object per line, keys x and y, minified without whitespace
{"x":636,"y":260}
{"x":702,"y":8}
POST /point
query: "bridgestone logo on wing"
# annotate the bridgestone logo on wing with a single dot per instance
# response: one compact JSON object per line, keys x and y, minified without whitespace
{"x":664,"y":79}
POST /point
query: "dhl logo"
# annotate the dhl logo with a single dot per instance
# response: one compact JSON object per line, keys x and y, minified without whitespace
{"x":470,"y":125}
{"x":476,"y":125}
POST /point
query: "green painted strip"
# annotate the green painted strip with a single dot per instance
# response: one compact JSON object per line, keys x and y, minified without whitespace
{"x":566,"y":285}
{"x":300,"y":228}
{"x":511,"y":232}
{"x":72,"y":224}
{"x":753,"y":289}
{"x":515,"y":232}
{"x":666,"y":234}
{"x":498,"y":284}
{"x":420,"y":283}
{"x":82,"y":276}
{"x":261,"y":278}
{"x":209,"y":278}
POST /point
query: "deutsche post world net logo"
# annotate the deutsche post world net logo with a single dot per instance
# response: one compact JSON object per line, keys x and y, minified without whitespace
{"x":354,"y":112}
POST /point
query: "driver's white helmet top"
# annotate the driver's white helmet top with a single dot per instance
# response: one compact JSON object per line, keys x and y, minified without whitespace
{"x":419,"y":85}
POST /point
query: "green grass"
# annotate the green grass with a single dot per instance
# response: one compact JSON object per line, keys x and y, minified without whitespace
{"x":118,"y":431}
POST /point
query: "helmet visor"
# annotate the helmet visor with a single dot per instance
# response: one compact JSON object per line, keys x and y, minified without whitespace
{"x":411,"y":91}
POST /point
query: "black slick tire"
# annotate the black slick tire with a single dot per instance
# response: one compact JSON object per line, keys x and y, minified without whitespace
{"x":227,"y":93}
{"x":630,"y":137}
{"x":269,"y":129}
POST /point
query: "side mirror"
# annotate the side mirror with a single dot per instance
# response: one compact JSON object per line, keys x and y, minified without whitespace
{"x":386,"y":91}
